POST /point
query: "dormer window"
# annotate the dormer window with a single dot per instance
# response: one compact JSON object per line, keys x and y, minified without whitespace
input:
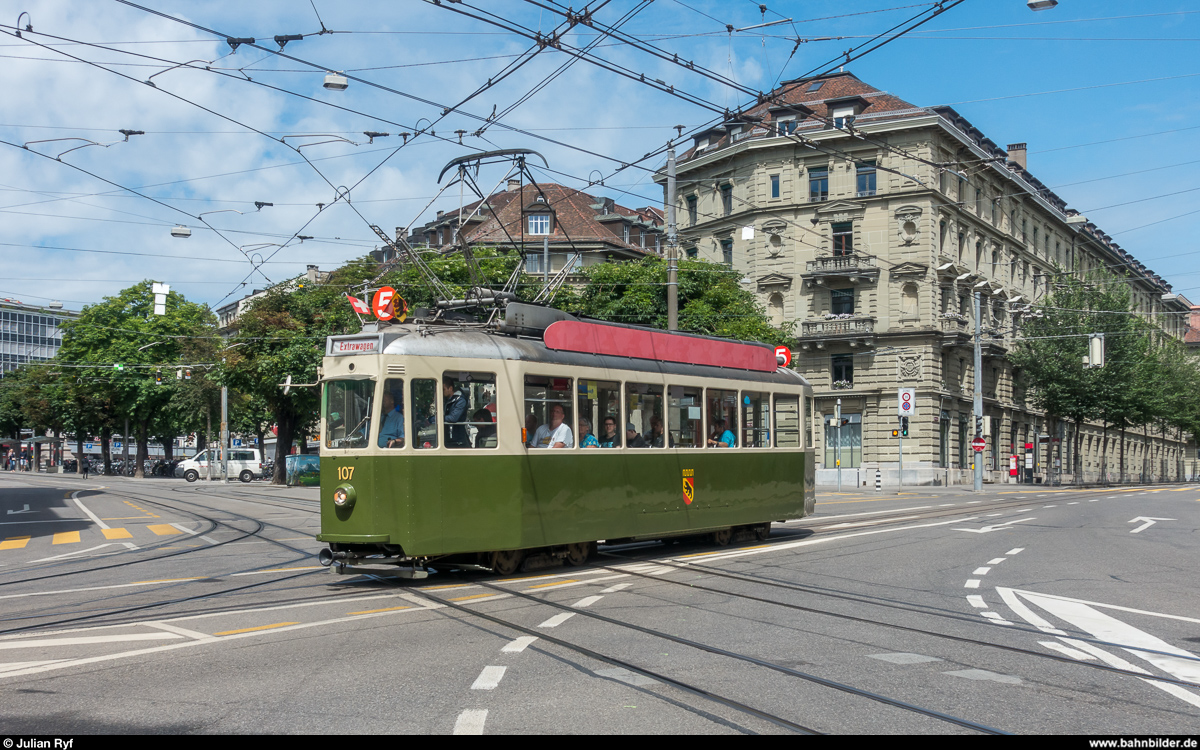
{"x":539,"y":224}
{"x":844,"y":110}
{"x":786,"y":127}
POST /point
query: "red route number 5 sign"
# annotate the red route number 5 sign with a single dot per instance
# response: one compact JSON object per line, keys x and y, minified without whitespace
{"x":382,"y":304}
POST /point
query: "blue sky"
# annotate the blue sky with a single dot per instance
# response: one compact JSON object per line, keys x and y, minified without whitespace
{"x":1105,"y":94}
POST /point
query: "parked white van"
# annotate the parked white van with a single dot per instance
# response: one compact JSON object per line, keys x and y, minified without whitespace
{"x":244,"y":463}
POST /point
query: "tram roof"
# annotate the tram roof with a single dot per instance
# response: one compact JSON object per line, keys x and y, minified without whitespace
{"x":438,"y":341}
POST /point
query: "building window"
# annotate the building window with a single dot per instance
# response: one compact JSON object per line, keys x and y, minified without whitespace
{"x":539,"y":224}
{"x":843,"y":238}
{"x":774,"y":186}
{"x":727,"y":199}
{"x":691,"y":209}
{"x":843,"y":368}
{"x":978,"y":201}
{"x":625,"y":233}
{"x":786,"y":127}
{"x":866,"y":179}
{"x":690,"y":252}
{"x":533,"y":263}
{"x":818,"y":184}
{"x":727,"y":252}
{"x":841,"y":301}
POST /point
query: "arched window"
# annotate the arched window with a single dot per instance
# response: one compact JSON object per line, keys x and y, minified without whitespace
{"x":775,"y":309}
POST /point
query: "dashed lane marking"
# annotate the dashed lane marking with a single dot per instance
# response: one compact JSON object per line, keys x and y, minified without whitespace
{"x":14,"y":542}
{"x":489,"y":678}
{"x":117,"y":534}
{"x":976,"y":601}
{"x":552,"y":583}
{"x":474,"y":596}
{"x":1067,"y":651}
{"x":470,"y":721}
{"x":163,"y":529}
{"x":557,"y":620}
{"x":373,"y":611}
{"x":981,"y":571}
{"x":66,"y":537}
{"x":518,"y":645}
{"x":996,"y":560}
{"x":616,"y":588}
{"x":972,"y":583}
{"x":586,"y":601}
{"x":255,"y":630}
{"x":1015,"y":551}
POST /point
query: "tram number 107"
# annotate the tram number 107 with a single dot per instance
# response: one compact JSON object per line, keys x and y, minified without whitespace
{"x":345,"y":473}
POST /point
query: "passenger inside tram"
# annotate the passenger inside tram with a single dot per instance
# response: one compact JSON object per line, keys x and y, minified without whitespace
{"x":485,"y":429}
{"x":610,"y":438}
{"x":557,"y":434}
{"x":391,"y":432}
{"x":586,"y":438}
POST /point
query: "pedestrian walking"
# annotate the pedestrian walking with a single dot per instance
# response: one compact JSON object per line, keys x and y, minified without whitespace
{"x":83,"y":464}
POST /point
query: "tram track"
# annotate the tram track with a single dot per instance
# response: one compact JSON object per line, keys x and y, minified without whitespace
{"x":707,"y":648}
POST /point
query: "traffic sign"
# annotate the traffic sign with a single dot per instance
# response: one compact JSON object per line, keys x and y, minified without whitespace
{"x":906,"y":402}
{"x":978,"y":444}
{"x":237,"y":442}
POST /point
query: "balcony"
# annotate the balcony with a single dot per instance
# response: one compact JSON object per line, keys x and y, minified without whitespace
{"x":853,"y":268}
{"x":857,"y":332}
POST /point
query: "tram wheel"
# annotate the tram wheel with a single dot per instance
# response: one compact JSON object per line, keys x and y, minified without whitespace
{"x":762,"y":531}
{"x":723,"y":537}
{"x":578,"y":554}
{"x":507,"y":562}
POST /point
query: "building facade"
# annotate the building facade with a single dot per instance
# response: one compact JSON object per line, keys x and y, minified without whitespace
{"x":869,"y":223}
{"x":29,"y":333}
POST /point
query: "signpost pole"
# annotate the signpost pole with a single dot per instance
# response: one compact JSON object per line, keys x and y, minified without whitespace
{"x":906,"y":406}
{"x":837,"y":450}
{"x":978,"y":396}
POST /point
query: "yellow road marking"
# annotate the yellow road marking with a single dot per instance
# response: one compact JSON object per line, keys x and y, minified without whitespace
{"x":131,"y":505}
{"x":66,"y":537}
{"x":127,"y":518}
{"x":163,"y":529}
{"x":260,"y":627}
{"x":474,"y":596}
{"x":373,"y":611}
{"x":553,"y":583}
{"x":117,"y":534}
{"x":446,"y":586}
{"x":284,"y":570}
{"x":14,"y":542}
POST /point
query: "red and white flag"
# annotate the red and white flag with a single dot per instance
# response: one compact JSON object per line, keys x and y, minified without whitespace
{"x":359,"y":306}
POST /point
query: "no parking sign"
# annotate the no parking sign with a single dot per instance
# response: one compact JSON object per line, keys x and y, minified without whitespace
{"x":906,"y":402}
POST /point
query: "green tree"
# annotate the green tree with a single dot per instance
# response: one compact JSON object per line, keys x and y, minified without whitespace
{"x":122,"y":330}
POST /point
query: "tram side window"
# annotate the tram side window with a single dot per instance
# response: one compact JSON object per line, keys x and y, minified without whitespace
{"x":548,"y":410}
{"x":644,"y":405}
{"x":756,"y":420}
{"x":722,"y":418}
{"x":686,"y":422}
{"x":599,"y":414}
{"x":469,"y":409}
{"x":348,"y":413}
{"x":391,"y":414}
{"x":425,"y":394}
{"x":787,"y":422}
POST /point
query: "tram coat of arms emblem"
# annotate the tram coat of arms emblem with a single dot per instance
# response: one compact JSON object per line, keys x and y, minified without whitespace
{"x":689,"y":486}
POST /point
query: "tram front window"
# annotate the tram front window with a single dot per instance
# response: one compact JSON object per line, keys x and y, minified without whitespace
{"x":391,"y":414}
{"x":347,"y":413}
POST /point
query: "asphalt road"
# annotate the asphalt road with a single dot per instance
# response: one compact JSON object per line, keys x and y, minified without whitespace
{"x":157,"y":606}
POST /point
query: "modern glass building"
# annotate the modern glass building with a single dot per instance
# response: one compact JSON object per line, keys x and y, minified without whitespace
{"x":29,"y":333}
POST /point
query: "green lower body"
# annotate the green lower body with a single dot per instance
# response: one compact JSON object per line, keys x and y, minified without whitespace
{"x":451,"y":504}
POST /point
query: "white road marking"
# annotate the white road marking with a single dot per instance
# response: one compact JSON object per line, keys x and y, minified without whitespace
{"x":194,"y":634}
{"x":983,"y":674}
{"x":183,"y":528}
{"x":981,"y":571}
{"x":1074,"y":503}
{"x":14,"y":666}
{"x":519,"y":645}
{"x":874,"y":512}
{"x":976,"y":601}
{"x":1148,"y":522}
{"x":993,"y":515}
{"x":996,"y":618}
{"x":615,"y":589}
{"x":996,"y":560}
{"x":587,"y":601}
{"x":869,"y":523}
{"x":947,"y":505}
{"x":1067,"y":651}
{"x":489,"y":678}
{"x":470,"y":721}
{"x":972,"y":583}
{"x":557,"y":620}
{"x":1049,"y":506}
{"x":1006,"y":526}
{"x":85,"y":640}
{"x":903,"y":658}
{"x":1021,"y":510}
{"x":72,"y":554}
{"x":209,"y":539}
{"x":1016,"y":551}
{"x":1093,"y":500}
{"x":95,"y":519}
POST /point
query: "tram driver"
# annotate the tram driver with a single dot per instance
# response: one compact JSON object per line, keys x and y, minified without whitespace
{"x":391,"y":433}
{"x":557,"y":434}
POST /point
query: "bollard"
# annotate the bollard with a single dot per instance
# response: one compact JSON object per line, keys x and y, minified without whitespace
{"x":878,"y":481}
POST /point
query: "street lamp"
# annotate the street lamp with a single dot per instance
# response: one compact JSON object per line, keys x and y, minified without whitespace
{"x":336,"y":82}
{"x":1041,"y":4}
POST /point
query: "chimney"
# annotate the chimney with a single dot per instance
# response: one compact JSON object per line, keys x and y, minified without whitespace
{"x":439,"y":214}
{"x":1016,"y":154}
{"x":312,"y":274}
{"x":514,"y":184}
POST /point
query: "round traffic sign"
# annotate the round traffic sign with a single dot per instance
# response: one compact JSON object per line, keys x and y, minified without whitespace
{"x":382,"y":304}
{"x":906,"y":406}
{"x":979,"y":444}
{"x":906,"y":396}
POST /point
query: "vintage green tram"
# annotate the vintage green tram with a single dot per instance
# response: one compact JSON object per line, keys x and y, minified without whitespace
{"x":432,"y":442}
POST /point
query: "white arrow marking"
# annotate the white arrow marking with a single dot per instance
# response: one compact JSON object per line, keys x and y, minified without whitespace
{"x":1148,"y":522}
{"x":23,"y":510}
{"x":997,"y":527}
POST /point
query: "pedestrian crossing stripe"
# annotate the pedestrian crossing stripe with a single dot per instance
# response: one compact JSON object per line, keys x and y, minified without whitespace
{"x":73,"y":537}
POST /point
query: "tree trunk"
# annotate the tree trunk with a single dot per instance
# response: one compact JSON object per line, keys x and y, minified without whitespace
{"x":105,"y":448}
{"x":143,"y":449}
{"x":286,"y":425}
{"x":302,"y":443}
{"x":168,"y":444}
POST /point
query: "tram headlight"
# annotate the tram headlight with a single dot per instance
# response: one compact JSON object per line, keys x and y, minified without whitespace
{"x":344,"y":496}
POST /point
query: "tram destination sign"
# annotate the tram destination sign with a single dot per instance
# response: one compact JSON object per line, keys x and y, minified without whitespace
{"x":337,"y":347}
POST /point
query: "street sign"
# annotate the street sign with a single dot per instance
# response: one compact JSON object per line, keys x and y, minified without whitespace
{"x":906,"y":402}
{"x":237,"y":442}
{"x":978,"y":444}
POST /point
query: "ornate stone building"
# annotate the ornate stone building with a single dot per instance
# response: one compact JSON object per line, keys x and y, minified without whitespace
{"x":869,"y":223}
